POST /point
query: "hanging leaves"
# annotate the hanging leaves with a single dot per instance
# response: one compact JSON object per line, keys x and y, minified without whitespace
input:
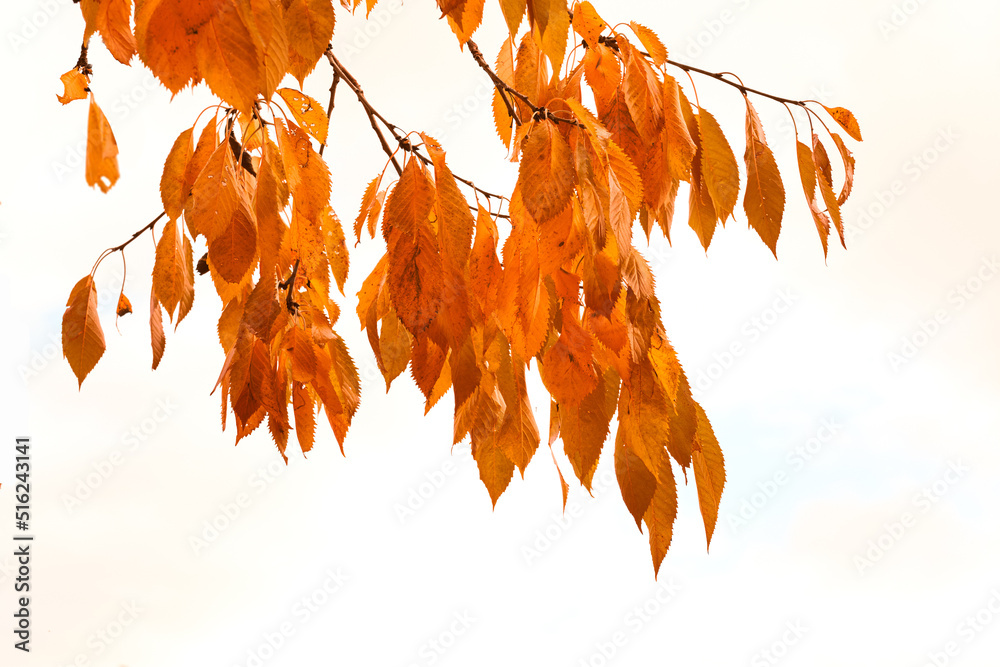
{"x":102,"y":150}
{"x":463,"y":303}
{"x":82,"y":336}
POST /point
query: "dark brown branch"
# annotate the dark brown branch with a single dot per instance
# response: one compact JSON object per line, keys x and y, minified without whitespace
{"x":501,"y":86}
{"x":539,"y":113}
{"x":400,"y":137}
{"x":612,"y":43}
{"x":329,"y":107}
{"x":137,"y":234}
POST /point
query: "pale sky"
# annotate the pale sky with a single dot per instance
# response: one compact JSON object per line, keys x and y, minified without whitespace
{"x":859,"y":524}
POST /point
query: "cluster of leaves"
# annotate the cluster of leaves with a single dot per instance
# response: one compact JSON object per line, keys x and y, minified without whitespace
{"x":466,"y":308}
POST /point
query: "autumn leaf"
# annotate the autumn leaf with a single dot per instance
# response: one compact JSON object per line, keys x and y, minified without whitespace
{"x":82,"y":336}
{"x":415,"y":275}
{"x":722,"y":176}
{"x":74,"y":86}
{"x":635,"y":481}
{"x":661,"y":513}
{"x":102,"y":150}
{"x":709,"y":472}
{"x":309,"y":25}
{"x":307,"y":112}
{"x":173,"y":272}
{"x":846,"y":120}
{"x":113,"y":22}
{"x":546,"y":176}
{"x":764,"y":201}
{"x":172,"y":183}
{"x":157,"y":338}
{"x":124,"y":305}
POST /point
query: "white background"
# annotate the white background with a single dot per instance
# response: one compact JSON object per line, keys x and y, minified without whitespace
{"x":816,"y":570}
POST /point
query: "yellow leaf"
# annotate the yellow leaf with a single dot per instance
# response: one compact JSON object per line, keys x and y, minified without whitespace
{"x":74,"y":86}
{"x":764,"y":200}
{"x":82,"y":337}
{"x":846,"y":120}
{"x":308,"y":113}
{"x":229,"y":56}
{"x":657,"y":51}
{"x":102,"y":150}
{"x":709,"y":472}
{"x":173,"y":272}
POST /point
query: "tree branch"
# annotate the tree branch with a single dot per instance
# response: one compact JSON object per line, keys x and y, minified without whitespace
{"x":501,"y":85}
{"x":401,"y":138}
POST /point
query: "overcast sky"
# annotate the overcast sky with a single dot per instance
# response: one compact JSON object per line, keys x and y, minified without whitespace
{"x":859,"y":524}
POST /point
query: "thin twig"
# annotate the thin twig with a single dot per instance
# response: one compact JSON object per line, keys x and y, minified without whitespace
{"x":329,"y":107}
{"x":397,"y":134}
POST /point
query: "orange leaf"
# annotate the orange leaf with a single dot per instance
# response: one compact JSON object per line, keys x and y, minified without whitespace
{"x":660,"y":514}
{"x":214,"y":195}
{"x":82,"y":337}
{"x":587,"y":23}
{"x":584,"y":426}
{"x":846,"y":120}
{"x":722,"y":175}
{"x":173,"y":272}
{"x":113,"y":22}
{"x":709,"y":472}
{"x":415,"y":273}
{"x":505,"y":70}
{"x":157,"y":339}
{"x":637,"y":484}
{"x":764,"y":201}
{"x":309,"y":24}
{"x":567,"y":367}
{"x":649,"y":39}
{"x":124,"y":305}
{"x":305,"y":418}
{"x":546,"y":177}
{"x":172,"y":182}
{"x":807,"y":174}
{"x":465,"y":22}
{"x":102,"y":150}
{"x":513,"y":13}
{"x":308,"y":113}
{"x":336,"y":246}
{"x":821,"y":163}
{"x":229,"y":55}
{"x":74,"y":86}
{"x":848,"y":159}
